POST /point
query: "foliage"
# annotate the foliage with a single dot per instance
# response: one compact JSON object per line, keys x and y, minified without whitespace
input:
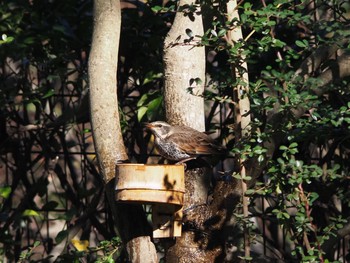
{"x":25,"y":255}
{"x":45,"y":184}
{"x":305,"y":173}
{"x":106,"y":252}
{"x":50,"y":177}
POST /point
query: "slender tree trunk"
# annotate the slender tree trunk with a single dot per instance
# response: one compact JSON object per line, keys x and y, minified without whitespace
{"x":103,"y":63}
{"x":242,"y":116}
{"x":131,"y":222}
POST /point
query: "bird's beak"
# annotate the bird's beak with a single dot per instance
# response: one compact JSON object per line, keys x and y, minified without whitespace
{"x":147,"y":126}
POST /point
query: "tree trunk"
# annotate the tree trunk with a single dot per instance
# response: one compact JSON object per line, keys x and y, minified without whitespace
{"x":103,"y":63}
{"x":184,"y":63}
{"x":207,"y":226}
{"x":242,"y":119}
{"x":131,"y":222}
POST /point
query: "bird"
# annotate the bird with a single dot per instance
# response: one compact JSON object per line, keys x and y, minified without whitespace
{"x":182,"y":143}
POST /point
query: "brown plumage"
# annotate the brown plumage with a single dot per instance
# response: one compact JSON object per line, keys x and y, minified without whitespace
{"x":182,"y":143}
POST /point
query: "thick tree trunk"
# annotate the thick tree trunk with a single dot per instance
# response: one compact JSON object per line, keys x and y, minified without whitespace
{"x":109,"y":145}
{"x":207,"y":226}
{"x":184,"y":61}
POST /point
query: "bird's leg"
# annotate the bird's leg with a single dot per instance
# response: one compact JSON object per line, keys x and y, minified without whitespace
{"x":183,"y":162}
{"x":161,"y":160}
{"x":186,"y":160}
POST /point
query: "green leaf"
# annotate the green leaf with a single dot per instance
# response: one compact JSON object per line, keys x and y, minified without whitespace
{"x":286,"y":215}
{"x":157,"y":8}
{"x":222,"y":32}
{"x":154,"y":104}
{"x":189,"y":32}
{"x":30,"y":212}
{"x":237,"y":176}
{"x":141,"y":112}
{"x":29,"y":40}
{"x":283,"y":148}
{"x":198,"y":81}
{"x":261,"y":158}
{"x":142,"y":100}
{"x":62,"y":235}
{"x":302,"y":44}
{"x":153,"y":107}
{"x":5,"y":191}
{"x":293,"y":145}
{"x":250,"y":192}
{"x":50,"y":205}
{"x":36,"y":243}
{"x":6,"y":39}
{"x":278,"y":43}
{"x":151,"y":76}
{"x":50,"y":93}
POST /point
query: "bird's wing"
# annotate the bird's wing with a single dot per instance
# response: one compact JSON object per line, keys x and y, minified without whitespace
{"x":196,"y":143}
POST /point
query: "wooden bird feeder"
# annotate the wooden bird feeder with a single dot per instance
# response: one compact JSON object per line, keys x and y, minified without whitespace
{"x":162,"y":186}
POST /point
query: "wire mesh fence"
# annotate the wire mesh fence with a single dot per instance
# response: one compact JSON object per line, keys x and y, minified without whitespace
{"x":52,"y":192}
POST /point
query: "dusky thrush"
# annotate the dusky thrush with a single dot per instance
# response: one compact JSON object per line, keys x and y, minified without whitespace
{"x":182,"y":143}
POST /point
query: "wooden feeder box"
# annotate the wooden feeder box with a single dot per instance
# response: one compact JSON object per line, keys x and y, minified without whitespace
{"x":162,"y":186}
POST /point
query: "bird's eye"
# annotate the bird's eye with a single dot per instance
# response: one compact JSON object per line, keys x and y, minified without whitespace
{"x":159,"y":125}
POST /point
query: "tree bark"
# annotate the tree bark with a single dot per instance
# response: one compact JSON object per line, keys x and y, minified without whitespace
{"x":184,"y":61}
{"x":242,"y":119}
{"x":207,"y":226}
{"x":103,"y":62}
{"x":130,"y":219}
